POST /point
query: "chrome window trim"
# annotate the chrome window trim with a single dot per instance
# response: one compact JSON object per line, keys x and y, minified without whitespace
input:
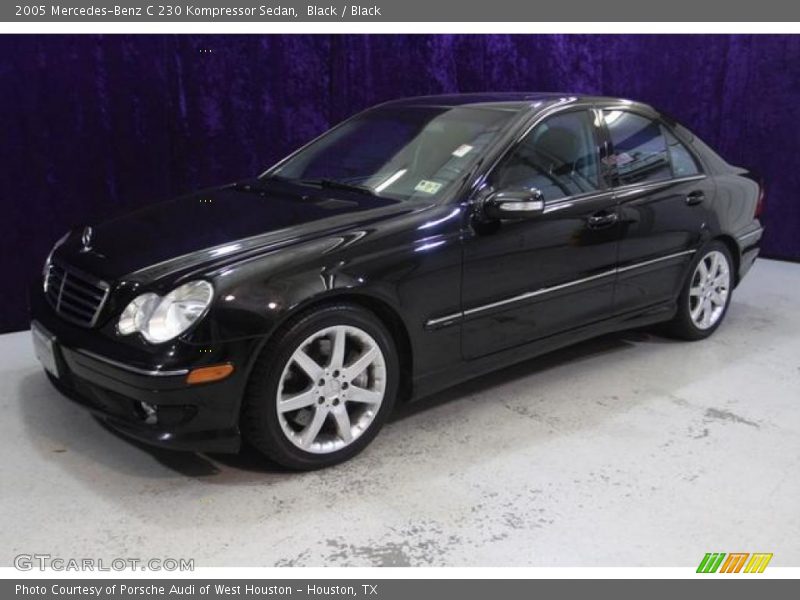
{"x":628,"y":189}
{"x":131,"y":369}
{"x":644,"y":187}
{"x":451,"y":318}
{"x":567,"y":201}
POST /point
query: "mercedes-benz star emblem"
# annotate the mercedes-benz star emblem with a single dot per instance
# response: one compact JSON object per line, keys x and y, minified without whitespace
{"x":86,"y":239}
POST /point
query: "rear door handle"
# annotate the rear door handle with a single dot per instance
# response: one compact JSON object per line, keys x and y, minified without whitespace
{"x":602,"y":219}
{"x":695,"y":197}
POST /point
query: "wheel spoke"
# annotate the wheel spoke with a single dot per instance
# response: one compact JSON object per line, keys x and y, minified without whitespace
{"x":697,"y":311}
{"x":707,"y":310}
{"x":343,"y":424}
{"x":703,"y":311}
{"x":308,"y":364}
{"x":362,"y":363}
{"x":695,"y":291}
{"x":715,"y":265}
{"x":357,"y":394}
{"x":309,"y":434}
{"x":298,"y":401}
{"x":701,"y":314}
{"x":702,"y":269}
{"x":337,"y":355}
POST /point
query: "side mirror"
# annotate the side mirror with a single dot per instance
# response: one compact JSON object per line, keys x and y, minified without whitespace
{"x":518,"y":203}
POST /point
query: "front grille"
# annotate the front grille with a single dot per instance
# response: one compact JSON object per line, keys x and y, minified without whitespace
{"x":76,"y":296}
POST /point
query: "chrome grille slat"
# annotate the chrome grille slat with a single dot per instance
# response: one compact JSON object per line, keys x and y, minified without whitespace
{"x":75,"y":312}
{"x":80,"y":289}
{"x":65,"y":293}
{"x":75,"y":296}
{"x":69,"y":304}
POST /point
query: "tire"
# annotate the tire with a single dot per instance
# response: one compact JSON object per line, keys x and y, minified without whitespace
{"x":283,"y":405}
{"x":690,"y":322}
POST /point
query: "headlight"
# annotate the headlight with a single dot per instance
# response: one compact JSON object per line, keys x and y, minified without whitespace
{"x":49,"y":258}
{"x":135,"y":315}
{"x":161,"y":319}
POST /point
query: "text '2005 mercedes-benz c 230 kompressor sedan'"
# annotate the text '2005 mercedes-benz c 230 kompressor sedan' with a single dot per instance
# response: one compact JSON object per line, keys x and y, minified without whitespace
{"x":415,"y":245}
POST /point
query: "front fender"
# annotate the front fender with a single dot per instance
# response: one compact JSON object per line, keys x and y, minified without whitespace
{"x":412,"y":268}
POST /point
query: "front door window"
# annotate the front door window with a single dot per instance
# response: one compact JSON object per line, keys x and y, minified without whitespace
{"x":559,"y":158}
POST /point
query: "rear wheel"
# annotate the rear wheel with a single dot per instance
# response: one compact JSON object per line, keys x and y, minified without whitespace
{"x":706,"y":294}
{"x":322,"y":389}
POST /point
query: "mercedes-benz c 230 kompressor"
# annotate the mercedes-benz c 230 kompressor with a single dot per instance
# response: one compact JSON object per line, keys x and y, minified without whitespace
{"x":415,"y":245}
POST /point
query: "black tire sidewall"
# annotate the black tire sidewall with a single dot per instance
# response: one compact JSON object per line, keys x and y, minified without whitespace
{"x":266,"y":433}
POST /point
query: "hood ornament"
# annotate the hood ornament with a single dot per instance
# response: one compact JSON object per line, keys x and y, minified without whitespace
{"x":86,"y":239}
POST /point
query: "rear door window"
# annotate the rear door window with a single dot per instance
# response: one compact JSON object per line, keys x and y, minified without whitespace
{"x":639,"y":148}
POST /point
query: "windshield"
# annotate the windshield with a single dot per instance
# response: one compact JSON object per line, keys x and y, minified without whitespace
{"x":402,"y":153}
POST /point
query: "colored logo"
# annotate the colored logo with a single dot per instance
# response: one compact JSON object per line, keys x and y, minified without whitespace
{"x":714,"y":562}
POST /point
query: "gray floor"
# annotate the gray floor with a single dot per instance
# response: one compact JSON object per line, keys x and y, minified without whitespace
{"x":630,"y":450}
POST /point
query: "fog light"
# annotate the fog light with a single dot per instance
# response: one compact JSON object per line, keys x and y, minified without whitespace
{"x":150,"y":413}
{"x":208,"y":374}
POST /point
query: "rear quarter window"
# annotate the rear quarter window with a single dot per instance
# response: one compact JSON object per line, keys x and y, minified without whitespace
{"x":683,"y":163}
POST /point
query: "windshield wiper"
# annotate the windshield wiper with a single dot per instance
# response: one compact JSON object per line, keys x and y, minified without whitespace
{"x":276,"y":178}
{"x":324,"y":183}
{"x":339,"y":185}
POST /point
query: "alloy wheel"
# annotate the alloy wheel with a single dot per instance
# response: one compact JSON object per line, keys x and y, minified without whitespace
{"x":708,"y":293}
{"x":331,"y":389}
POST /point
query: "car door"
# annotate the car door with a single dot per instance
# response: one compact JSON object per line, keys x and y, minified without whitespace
{"x":526,"y":279}
{"x":663,"y":200}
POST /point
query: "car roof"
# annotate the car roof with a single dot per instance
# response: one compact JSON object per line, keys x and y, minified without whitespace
{"x":516,"y":101}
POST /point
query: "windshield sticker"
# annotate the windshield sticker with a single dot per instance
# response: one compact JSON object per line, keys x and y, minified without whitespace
{"x":623,"y":158}
{"x":462,"y":150}
{"x":428,"y":187}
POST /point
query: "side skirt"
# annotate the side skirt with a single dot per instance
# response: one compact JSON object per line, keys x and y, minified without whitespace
{"x":431,"y":383}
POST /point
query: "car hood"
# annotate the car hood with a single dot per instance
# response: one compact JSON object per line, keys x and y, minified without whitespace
{"x":216,"y":225}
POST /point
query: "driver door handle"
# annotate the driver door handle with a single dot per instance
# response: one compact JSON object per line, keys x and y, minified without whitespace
{"x":602,"y":219}
{"x":695,"y":197}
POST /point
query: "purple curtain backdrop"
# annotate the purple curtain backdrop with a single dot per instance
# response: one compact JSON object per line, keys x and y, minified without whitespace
{"x":93,"y":125}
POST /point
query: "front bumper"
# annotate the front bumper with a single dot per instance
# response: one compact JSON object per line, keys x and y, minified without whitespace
{"x":199,"y":417}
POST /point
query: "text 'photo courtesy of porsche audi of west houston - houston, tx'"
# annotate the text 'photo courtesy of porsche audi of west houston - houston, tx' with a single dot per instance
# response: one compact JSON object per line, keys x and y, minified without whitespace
{"x":415,"y":245}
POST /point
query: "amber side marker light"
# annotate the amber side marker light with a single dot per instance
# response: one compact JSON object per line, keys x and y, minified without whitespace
{"x":208,"y":374}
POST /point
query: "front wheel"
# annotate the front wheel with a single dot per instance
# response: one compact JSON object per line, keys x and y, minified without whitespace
{"x":705,"y":296}
{"x":322,"y":389}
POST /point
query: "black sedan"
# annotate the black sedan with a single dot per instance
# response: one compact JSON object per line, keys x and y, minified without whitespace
{"x":419,"y":243}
